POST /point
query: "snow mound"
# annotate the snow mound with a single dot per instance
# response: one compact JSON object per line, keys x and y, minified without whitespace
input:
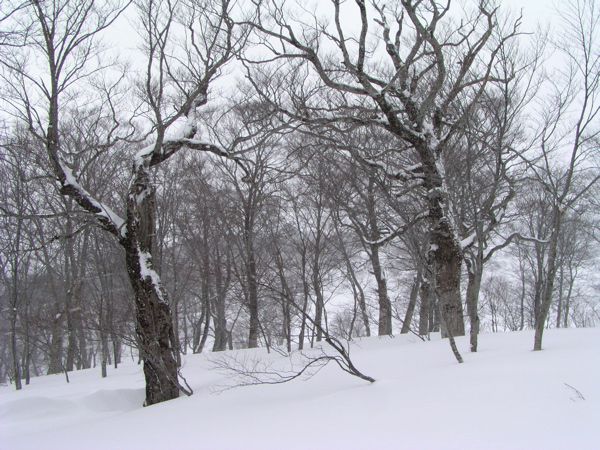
{"x":118,"y":400}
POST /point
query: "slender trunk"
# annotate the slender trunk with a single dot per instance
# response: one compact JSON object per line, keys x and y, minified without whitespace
{"x":568,"y":299}
{"x":220,"y":322}
{"x":13,"y":326}
{"x":412,"y":302}
{"x":320,"y":304}
{"x":425,"y":305}
{"x":474,"y":274}
{"x":385,"y":305}
{"x":103,"y":338}
{"x":69,"y":287}
{"x":560,"y":296}
{"x":305,"y":295}
{"x":205,"y":330}
{"x":56,"y":345}
{"x":357,"y":290}
{"x":252,"y":297}
{"x":551,"y":275}
{"x":522,"y":298}
{"x":15,"y":354}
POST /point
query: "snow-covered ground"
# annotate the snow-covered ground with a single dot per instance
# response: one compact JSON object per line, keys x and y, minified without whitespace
{"x":504,"y":397}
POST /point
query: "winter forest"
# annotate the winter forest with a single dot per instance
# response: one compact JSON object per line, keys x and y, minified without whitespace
{"x":203,"y":176}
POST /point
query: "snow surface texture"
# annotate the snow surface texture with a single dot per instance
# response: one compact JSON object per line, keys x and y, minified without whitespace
{"x":504,"y":397}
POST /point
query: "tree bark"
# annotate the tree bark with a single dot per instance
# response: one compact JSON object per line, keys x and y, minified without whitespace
{"x":154,"y":322}
{"x":446,"y":257}
{"x":474,"y":274}
{"x":551,"y":275}
{"x":385,"y":305}
{"x":412,"y":302}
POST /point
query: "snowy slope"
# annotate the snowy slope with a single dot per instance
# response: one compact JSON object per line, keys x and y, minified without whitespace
{"x":504,"y":397}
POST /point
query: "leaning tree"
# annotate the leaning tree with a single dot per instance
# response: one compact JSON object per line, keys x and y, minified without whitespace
{"x":186,"y":46}
{"x":413,"y":68}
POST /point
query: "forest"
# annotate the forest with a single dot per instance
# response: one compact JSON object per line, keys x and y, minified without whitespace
{"x":188,"y":176}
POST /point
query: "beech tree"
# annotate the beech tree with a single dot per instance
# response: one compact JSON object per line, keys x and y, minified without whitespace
{"x":409,"y":69}
{"x":186,"y":46}
{"x":568,"y":137}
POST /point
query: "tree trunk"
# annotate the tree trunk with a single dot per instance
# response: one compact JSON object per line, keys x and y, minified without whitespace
{"x":551,"y":275}
{"x":305,"y":295}
{"x":357,"y":290}
{"x":56,"y":345}
{"x":154,"y":329}
{"x":447,"y":259}
{"x":414,"y":293}
{"x":474,"y":274}
{"x":559,"y":307}
{"x":252,"y":299}
{"x":220,"y":321}
{"x":385,"y":306}
{"x":425,"y":306}
{"x":320,"y":303}
{"x":154,"y":322}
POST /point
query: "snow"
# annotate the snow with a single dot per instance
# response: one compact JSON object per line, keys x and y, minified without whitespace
{"x":504,"y":397}
{"x":142,"y":154}
{"x":105,"y":211}
{"x":147,"y":272}
{"x":468,"y":241}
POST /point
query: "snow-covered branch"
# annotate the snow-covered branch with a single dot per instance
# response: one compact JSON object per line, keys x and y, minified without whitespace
{"x":109,"y":220}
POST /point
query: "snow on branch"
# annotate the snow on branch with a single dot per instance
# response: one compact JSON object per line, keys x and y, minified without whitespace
{"x":157,"y":153}
{"x":108,"y":219}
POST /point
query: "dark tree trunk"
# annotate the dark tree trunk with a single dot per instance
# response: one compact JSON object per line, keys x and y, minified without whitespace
{"x":205,"y":330}
{"x":305,"y":296}
{"x":425,"y":306}
{"x":154,"y":329}
{"x":414,"y":293}
{"x":221,"y":286}
{"x":320,"y":304}
{"x":551,"y":275}
{"x":474,"y":274}
{"x":447,"y":260}
{"x":559,"y":307}
{"x":252,"y":286}
{"x":357,"y":290}
{"x":56,"y":346}
{"x":445,"y":254}
{"x":154,"y":321}
{"x":385,"y":305}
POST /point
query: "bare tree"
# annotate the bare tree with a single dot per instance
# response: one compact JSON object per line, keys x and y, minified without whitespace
{"x":568,"y":136}
{"x":179,"y":72}
{"x":433,"y":71}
